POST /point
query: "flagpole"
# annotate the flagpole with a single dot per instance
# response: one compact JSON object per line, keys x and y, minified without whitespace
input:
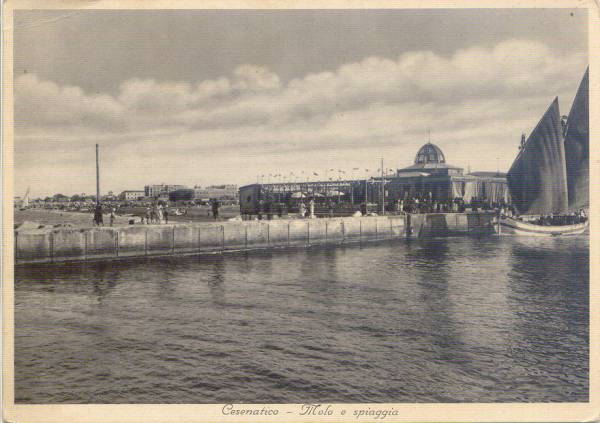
{"x":382,"y":191}
{"x":366,"y":193}
{"x":97,"y":176}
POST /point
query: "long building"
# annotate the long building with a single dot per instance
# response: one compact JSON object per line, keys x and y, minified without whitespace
{"x":131,"y":195}
{"x":216,"y":191}
{"x":162,"y":190}
{"x":430,"y":177}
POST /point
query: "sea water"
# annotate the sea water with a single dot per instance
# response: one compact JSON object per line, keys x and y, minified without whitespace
{"x":491,"y":319}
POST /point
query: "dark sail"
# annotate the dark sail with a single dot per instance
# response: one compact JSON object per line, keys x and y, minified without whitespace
{"x":577,"y":147}
{"x":537,"y":178}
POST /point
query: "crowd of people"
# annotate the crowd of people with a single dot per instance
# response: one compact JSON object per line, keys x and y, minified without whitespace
{"x":269,"y":209}
{"x":572,"y":218}
{"x":302,"y":209}
{"x":99,"y":215}
{"x":426,"y":204}
{"x":311,"y":208}
{"x":159,"y":213}
{"x":156,"y":213}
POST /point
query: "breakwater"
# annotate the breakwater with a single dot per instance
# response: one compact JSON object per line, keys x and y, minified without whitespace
{"x":55,"y":245}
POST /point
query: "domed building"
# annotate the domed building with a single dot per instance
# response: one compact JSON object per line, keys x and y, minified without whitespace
{"x":431,"y":177}
{"x":430,"y":158}
{"x":430,"y":153}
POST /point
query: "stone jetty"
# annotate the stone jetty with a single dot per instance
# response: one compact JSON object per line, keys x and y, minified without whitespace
{"x":65,"y":244}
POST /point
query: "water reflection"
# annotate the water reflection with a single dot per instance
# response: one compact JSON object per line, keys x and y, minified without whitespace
{"x":426,"y":320}
{"x":216,"y":281}
{"x":431,"y":258}
{"x":97,"y":278}
{"x":104,"y":279}
{"x":564,"y":288}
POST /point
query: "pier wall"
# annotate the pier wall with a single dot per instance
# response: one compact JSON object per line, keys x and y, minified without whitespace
{"x":450,"y":224}
{"x":54,"y":245}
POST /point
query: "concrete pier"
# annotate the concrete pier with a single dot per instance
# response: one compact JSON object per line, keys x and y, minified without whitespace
{"x":55,"y":245}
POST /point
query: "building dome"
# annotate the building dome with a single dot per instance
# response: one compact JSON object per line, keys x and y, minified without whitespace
{"x":430,"y":153}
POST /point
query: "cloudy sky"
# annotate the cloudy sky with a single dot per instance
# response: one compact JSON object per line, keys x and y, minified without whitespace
{"x":207,"y":97}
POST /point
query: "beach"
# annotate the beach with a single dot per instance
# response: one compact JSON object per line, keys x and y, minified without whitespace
{"x":84,"y":219}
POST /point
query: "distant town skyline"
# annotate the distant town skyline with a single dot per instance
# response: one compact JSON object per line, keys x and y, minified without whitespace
{"x":219,"y":97}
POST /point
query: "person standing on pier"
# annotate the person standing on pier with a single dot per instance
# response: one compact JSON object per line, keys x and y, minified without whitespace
{"x":302,"y":210}
{"x":215,"y":209}
{"x":268,"y":210}
{"x":261,"y":209}
{"x":399,"y":206}
{"x":112,"y":216}
{"x":153,"y":213}
{"x":311,"y":206}
{"x":166,"y":215}
{"x":98,"y":220}
{"x":159,"y":213}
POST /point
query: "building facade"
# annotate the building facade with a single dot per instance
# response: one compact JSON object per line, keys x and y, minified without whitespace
{"x":161,"y":191}
{"x":431,"y":177}
{"x":216,"y":191}
{"x":131,"y":195}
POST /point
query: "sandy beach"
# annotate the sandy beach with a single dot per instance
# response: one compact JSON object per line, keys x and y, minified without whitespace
{"x":84,"y":219}
{"x":60,"y":217}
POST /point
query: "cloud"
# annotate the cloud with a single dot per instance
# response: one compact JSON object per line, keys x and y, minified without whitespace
{"x":255,"y":78}
{"x":253,"y":95}
{"x":485,"y":96}
{"x":45,"y":104}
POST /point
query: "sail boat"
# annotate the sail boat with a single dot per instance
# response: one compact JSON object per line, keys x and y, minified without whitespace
{"x":25,"y":200}
{"x":549,"y":179}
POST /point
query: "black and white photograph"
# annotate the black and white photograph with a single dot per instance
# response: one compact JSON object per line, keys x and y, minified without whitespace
{"x":298,"y":213}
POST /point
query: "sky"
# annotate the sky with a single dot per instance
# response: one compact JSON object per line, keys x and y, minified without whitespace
{"x":211,"y":97}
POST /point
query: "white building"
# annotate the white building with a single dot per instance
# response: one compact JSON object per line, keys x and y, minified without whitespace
{"x":131,"y":195}
{"x":162,"y":190}
{"x":216,"y":191}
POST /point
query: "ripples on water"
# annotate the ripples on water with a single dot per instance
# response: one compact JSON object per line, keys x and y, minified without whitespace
{"x":448,"y":320}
